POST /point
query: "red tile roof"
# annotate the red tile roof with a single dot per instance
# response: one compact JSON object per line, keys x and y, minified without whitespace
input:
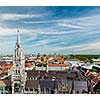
{"x":6,"y":66}
{"x":87,"y":74}
{"x":63,"y":65}
{"x":28,"y":64}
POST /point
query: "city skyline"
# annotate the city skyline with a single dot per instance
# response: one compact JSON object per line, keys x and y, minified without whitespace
{"x":62,"y":30}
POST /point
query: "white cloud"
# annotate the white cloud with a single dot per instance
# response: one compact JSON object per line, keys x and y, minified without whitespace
{"x":85,"y":47}
{"x":89,"y":47}
{"x":82,"y":27}
{"x":5,"y":31}
{"x":70,"y":26}
{"x":18,"y":16}
{"x":83,"y":24}
{"x":39,"y":43}
{"x":39,"y":22}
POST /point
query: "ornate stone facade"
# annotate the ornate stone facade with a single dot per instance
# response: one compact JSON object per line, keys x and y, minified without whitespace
{"x":18,"y":74}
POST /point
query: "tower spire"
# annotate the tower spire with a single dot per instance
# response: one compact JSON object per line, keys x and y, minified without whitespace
{"x":18,"y":36}
{"x":18,"y":52}
{"x":18,"y":74}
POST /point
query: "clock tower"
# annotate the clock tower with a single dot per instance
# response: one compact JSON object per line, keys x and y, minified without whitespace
{"x":18,"y":74}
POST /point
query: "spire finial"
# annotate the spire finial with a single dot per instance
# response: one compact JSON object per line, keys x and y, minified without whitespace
{"x":18,"y":31}
{"x":18,"y":37}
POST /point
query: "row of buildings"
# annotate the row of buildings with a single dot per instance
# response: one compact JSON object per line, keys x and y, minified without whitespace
{"x":43,"y":75}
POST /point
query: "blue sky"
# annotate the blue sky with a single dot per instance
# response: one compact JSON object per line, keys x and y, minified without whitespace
{"x":61,"y":30}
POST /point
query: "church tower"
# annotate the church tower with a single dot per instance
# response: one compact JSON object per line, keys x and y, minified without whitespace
{"x":18,"y":74}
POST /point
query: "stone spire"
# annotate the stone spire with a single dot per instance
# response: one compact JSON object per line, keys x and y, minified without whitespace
{"x":18,"y":51}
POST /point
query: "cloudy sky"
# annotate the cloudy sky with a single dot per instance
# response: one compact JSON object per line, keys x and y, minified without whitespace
{"x":63,"y":30}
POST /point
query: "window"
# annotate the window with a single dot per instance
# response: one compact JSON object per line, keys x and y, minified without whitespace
{"x":26,"y":89}
{"x":30,"y":78}
{"x":31,"y":89}
{"x":35,"y":78}
{"x":18,"y":71}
